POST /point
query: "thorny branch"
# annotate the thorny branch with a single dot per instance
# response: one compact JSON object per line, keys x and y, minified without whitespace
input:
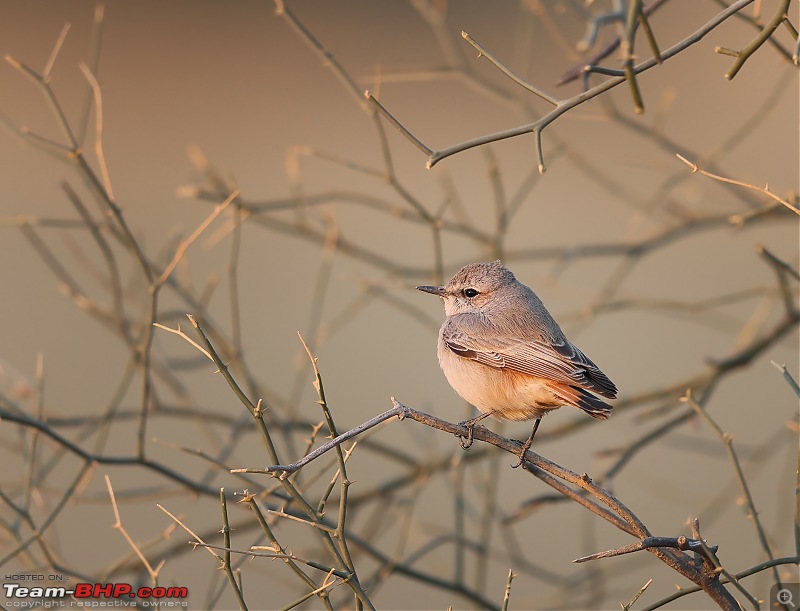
{"x":706,"y":578}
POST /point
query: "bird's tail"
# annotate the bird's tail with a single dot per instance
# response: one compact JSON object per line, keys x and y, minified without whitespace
{"x":577,"y":396}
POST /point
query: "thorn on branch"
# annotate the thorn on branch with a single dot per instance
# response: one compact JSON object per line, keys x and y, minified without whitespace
{"x":726,"y":51}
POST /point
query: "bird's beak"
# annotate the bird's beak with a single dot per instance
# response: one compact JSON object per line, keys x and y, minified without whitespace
{"x":439,"y":291}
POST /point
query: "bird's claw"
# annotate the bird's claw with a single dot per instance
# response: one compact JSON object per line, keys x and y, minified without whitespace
{"x":466,"y":442}
{"x":520,"y":457}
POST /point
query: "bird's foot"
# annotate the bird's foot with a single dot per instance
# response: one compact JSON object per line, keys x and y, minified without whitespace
{"x":466,"y":442}
{"x":524,"y":447}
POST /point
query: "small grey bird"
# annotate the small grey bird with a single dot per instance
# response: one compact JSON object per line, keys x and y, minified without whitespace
{"x":501,"y":351}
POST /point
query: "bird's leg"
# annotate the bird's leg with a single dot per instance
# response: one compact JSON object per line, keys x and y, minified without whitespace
{"x":466,"y":442}
{"x":527,"y":445}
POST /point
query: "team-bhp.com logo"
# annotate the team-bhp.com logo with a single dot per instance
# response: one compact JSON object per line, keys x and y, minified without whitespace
{"x":91,"y":594}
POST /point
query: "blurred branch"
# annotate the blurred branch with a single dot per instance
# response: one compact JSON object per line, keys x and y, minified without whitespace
{"x":607,"y":50}
{"x":93,"y":66}
{"x":153,"y":572}
{"x":98,"y":146}
{"x":180,"y":251}
{"x":783,"y":271}
{"x":636,"y":596}
{"x":752,"y":514}
{"x":146,"y":463}
{"x":740,"y":575}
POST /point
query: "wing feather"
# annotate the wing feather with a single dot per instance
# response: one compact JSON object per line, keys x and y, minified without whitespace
{"x":553,"y":358}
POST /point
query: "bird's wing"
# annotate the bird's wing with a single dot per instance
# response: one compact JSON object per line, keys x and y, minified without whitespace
{"x":553,"y":358}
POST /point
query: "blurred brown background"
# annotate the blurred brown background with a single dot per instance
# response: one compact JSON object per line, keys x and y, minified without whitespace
{"x":234,"y":81}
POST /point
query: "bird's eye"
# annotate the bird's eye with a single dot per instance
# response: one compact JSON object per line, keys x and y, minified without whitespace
{"x":469,"y":293}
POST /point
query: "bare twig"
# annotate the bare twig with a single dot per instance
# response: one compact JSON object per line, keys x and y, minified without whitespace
{"x":607,"y":50}
{"x":569,"y":104}
{"x":788,"y":377}
{"x":185,"y":244}
{"x":629,"y":604}
{"x":226,"y":554}
{"x":152,"y":571}
{"x":745,"y":54}
{"x":399,"y":126}
{"x":507,"y":594}
{"x":98,"y":138}
{"x":764,"y":190}
{"x":482,"y":52}
{"x":93,"y":65}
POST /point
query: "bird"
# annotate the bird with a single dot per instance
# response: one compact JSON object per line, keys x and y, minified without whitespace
{"x":502,"y":352}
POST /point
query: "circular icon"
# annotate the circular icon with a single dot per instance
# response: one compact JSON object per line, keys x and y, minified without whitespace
{"x":785,"y":597}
